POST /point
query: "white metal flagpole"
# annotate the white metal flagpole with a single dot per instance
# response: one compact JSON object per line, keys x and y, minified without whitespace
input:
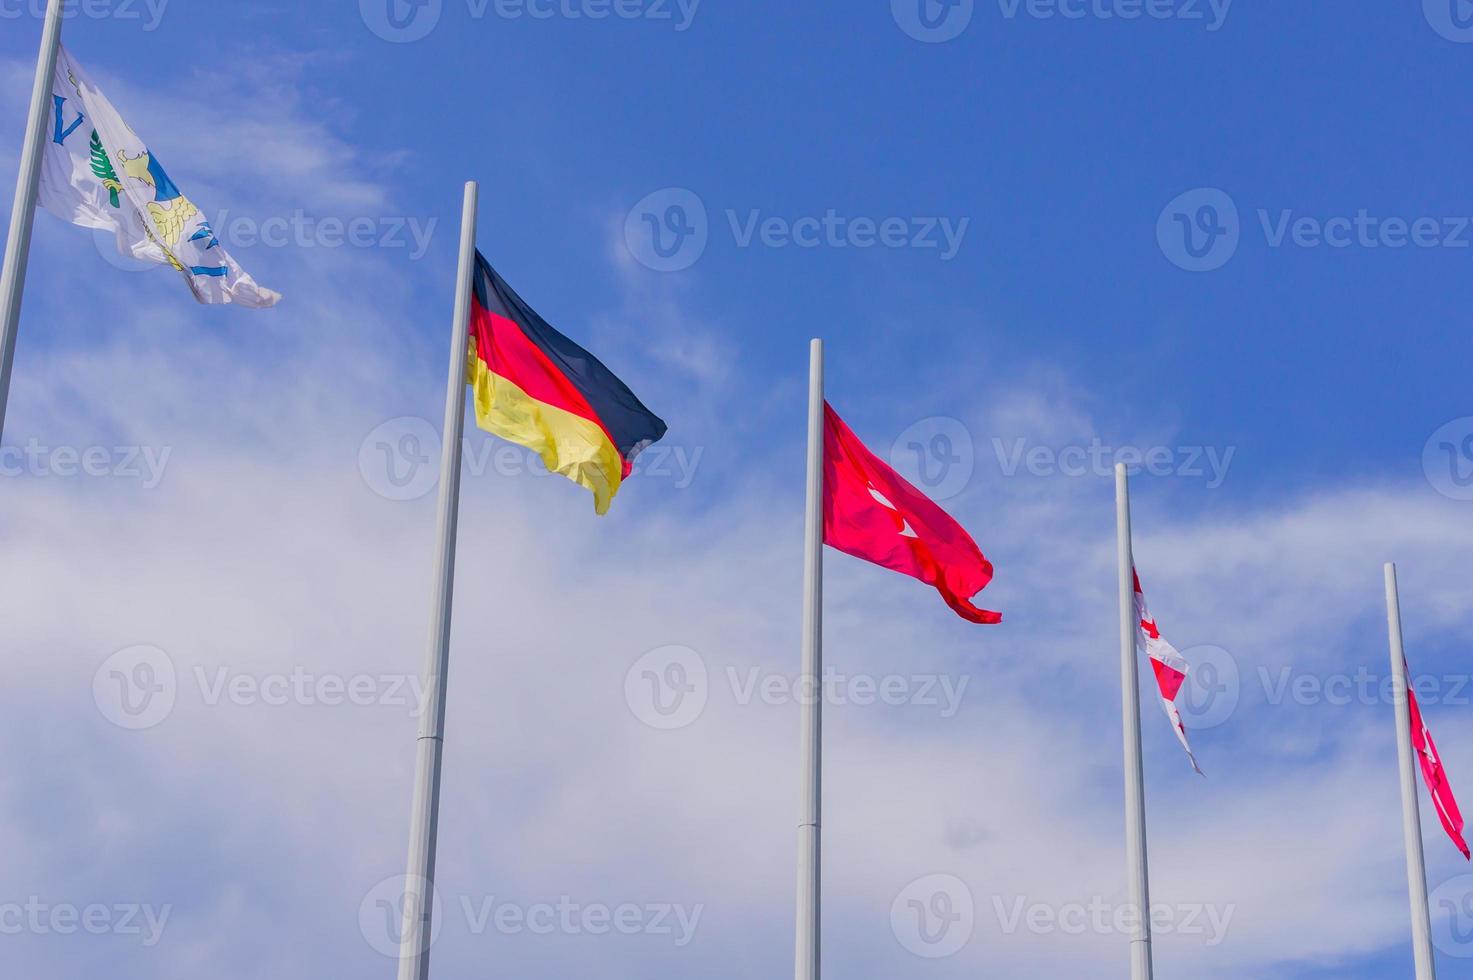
{"x":1130,"y":699}
{"x":1411,"y":815}
{"x":810,"y":864}
{"x":414,"y":949}
{"x":27,"y":187}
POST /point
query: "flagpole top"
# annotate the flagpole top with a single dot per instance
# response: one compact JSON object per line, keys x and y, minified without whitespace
{"x":1121,"y":470}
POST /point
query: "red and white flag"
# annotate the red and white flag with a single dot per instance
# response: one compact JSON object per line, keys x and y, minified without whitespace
{"x":1169,"y":666}
{"x":873,"y":513}
{"x":1435,"y":776}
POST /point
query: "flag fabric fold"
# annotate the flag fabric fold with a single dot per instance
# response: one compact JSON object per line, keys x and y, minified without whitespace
{"x":1435,"y":776}
{"x":538,"y":389}
{"x":1168,"y":665}
{"x":98,"y":174}
{"x":871,"y":512}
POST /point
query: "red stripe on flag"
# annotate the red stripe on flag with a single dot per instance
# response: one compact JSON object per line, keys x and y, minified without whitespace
{"x":509,"y":352}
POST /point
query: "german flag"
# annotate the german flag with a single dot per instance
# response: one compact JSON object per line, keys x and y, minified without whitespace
{"x":537,"y":388}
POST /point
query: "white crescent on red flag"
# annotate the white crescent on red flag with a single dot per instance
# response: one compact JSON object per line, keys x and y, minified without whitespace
{"x":1169,"y":666}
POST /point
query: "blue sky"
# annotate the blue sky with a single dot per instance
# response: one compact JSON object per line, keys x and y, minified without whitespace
{"x":1299,"y":393}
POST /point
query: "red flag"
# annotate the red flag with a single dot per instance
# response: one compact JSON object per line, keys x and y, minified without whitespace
{"x":871,"y":512}
{"x":1434,"y":775}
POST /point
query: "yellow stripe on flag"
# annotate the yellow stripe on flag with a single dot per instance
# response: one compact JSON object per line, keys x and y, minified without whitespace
{"x":570,"y":445}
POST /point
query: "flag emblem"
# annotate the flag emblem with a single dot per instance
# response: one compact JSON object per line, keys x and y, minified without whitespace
{"x":98,"y":174}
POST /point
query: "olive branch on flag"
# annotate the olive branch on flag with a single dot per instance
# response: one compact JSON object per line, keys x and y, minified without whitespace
{"x":103,"y":168}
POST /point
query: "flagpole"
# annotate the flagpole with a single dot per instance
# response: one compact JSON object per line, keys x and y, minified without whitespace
{"x":1411,"y":815}
{"x":1130,"y":699}
{"x":810,"y":882}
{"x":27,"y":188}
{"x":414,"y":949}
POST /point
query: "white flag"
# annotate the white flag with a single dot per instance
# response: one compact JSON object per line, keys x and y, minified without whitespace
{"x":1169,"y":666}
{"x":98,"y":174}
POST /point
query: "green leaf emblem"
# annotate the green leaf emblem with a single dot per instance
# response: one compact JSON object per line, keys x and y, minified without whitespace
{"x":103,"y":168}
